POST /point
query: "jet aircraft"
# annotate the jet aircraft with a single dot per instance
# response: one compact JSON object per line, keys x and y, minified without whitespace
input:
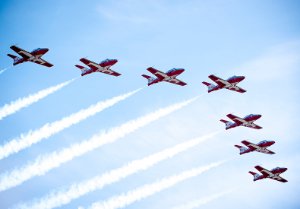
{"x":103,"y":67}
{"x":272,"y":174}
{"x":259,"y":147}
{"x":169,"y":76}
{"x":34,"y":56}
{"x":247,"y":121}
{"x":230,"y":83}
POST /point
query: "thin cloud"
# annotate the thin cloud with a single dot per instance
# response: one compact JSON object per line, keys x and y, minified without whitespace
{"x":49,"y":129}
{"x":66,"y":195}
{"x":45,"y":163}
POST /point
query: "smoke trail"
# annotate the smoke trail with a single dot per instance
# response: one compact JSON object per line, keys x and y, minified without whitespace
{"x":49,"y":129}
{"x":132,"y":196}
{"x":65,"y":196}
{"x":47,"y":162}
{"x":15,"y":106}
{"x":3,"y":70}
{"x":202,"y":201}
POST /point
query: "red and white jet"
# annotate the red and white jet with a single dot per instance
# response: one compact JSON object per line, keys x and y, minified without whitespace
{"x":169,"y":76}
{"x":260,"y":147}
{"x":272,"y":174}
{"x":230,"y":83}
{"x":103,"y":67}
{"x":247,"y":121}
{"x":34,"y":56}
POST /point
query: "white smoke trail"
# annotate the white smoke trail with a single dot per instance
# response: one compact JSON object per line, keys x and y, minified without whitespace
{"x":65,"y":196}
{"x":47,"y":162}
{"x":132,"y":196}
{"x":49,"y":129}
{"x":3,"y":70}
{"x":202,"y":201}
{"x":17,"y":105}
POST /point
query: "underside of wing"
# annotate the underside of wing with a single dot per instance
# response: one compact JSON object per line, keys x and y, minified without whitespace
{"x":156,"y":72}
{"x":89,"y":63}
{"x":266,"y":151}
{"x":217,"y":80}
{"x":177,"y":81}
{"x":111,"y":72}
{"x":234,"y":118}
{"x":255,"y":126}
{"x":43,"y":62}
{"x":262,"y":170}
{"x":280,"y":179}
{"x":25,"y":54}
{"x":237,"y":89}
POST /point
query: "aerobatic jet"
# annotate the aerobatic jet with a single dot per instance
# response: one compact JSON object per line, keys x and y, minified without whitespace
{"x":34,"y":56}
{"x":230,"y":83}
{"x":247,"y":121}
{"x":259,"y":147}
{"x":169,"y":76}
{"x":272,"y":174}
{"x":103,"y":67}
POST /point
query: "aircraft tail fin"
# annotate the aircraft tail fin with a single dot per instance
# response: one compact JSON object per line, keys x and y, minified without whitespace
{"x":209,"y":86}
{"x":255,"y":175}
{"x":83,"y":69}
{"x":227,"y":123}
{"x":241,"y":148}
{"x":15,"y":58}
{"x":149,"y":78}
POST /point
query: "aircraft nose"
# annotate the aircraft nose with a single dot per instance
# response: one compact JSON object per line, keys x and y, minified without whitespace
{"x":242,"y":78}
{"x":258,"y":116}
{"x":181,"y":70}
{"x":44,"y":50}
{"x":272,"y":142}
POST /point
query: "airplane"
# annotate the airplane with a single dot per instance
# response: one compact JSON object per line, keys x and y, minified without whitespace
{"x":247,"y":121}
{"x":272,"y":174}
{"x":103,"y":67}
{"x":34,"y":56}
{"x":169,"y":76}
{"x":230,"y":83}
{"x":259,"y":147}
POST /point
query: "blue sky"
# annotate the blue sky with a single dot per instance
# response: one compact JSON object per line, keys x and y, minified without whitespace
{"x":257,"y":39}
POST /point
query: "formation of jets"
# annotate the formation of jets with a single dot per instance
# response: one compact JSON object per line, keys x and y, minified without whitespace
{"x":171,"y":77}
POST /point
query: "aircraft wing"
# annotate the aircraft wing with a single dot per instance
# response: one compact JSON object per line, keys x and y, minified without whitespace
{"x":176,"y":81}
{"x":157,"y":73}
{"x":235,"y":119}
{"x":277,"y":178}
{"x":25,"y":54}
{"x":266,"y":151}
{"x":217,"y":80}
{"x":255,"y":126}
{"x":42,"y":62}
{"x":238,"y":89}
{"x":264,"y":171}
{"x":111,"y":72}
{"x":248,"y":144}
{"x":90,"y":63}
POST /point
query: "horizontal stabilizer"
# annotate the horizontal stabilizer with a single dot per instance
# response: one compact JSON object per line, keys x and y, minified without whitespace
{"x":147,"y":76}
{"x":79,"y":66}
